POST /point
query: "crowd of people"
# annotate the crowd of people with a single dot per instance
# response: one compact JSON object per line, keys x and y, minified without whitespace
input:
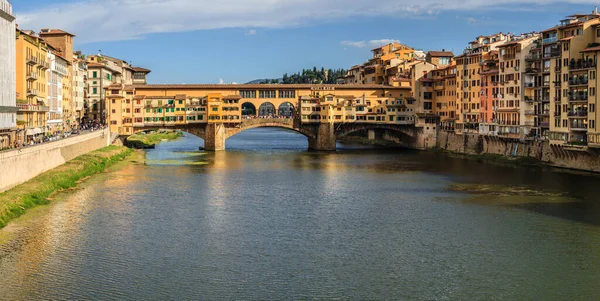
{"x":55,"y":135}
{"x":265,"y":116}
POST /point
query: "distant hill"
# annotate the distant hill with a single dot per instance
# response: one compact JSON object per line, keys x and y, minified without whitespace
{"x":264,"y":81}
{"x":306,"y":76}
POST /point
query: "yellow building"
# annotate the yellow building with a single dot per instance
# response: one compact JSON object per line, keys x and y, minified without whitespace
{"x":469,"y":81}
{"x":569,"y":60}
{"x":31,"y":85}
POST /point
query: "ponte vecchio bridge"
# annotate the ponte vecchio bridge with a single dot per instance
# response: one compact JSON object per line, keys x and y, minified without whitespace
{"x":322,"y":113}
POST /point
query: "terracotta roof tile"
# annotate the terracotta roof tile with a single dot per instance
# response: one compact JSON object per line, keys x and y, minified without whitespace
{"x":440,"y":53}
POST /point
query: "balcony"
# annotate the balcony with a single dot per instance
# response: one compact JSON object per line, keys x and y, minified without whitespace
{"x":578,"y":125}
{"x":545,"y":113}
{"x":530,"y":112}
{"x":531,"y":71}
{"x":32,"y":60}
{"x":44,"y":65}
{"x":32,"y":92}
{"x":581,"y":65}
{"x":578,"y":97}
{"x":32,"y":108}
{"x":31,"y":76}
{"x":578,"y":114}
{"x":533,"y":57}
{"x":578,"y":81}
{"x":549,"y":40}
{"x":553,"y":53}
{"x":530,"y":85}
{"x":545,"y":124}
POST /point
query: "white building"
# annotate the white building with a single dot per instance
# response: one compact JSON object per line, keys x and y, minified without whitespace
{"x":8,"y":77}
{"x":58,"y":70}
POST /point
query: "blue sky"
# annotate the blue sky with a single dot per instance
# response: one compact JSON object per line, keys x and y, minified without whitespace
{"x":204,"y":41}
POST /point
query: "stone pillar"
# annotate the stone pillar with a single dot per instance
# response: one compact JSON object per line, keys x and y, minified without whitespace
{"x":325,"y":138}
{"x":371,"y":134}
{"x":214,"y":138}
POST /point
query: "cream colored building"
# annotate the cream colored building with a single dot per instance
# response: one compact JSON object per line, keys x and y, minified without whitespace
{"x":8,"y":104}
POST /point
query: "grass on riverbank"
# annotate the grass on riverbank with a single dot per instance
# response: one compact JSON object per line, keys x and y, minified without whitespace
{"x":143,"y":141}
{"x":16,"y":201}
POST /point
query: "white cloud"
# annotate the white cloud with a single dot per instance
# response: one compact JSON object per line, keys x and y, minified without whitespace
{"x":251,"y":32}
{"x":370,"y":44}
{"x":110,"y":20}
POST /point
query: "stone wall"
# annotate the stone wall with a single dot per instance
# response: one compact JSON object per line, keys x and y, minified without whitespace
{"x":21,"y":166}
{"x":559,"y":156}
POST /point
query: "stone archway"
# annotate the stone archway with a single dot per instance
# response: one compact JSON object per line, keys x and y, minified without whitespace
{"x":266,"y":109}
{"x":248,"y":109}
{"x":286,"y":109}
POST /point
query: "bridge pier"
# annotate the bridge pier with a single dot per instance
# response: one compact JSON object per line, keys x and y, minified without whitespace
{"x":324,"y":139}
{"x":214,"y":137}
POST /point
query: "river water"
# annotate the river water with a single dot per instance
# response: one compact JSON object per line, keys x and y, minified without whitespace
{"x":267,"y":220}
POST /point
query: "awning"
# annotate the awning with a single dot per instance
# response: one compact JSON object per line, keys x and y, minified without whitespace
{"x":29,"y":132}
{"x":37,"y":131}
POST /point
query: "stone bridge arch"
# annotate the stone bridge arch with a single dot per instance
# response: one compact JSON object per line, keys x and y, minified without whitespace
{"x":282,"y":123}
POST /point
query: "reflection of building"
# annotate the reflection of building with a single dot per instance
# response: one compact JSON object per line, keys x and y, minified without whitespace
{"x":8,"y":105}
{"x":137,"y":106}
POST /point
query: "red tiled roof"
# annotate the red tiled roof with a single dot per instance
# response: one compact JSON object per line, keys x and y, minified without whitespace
{"x":48,"y":32}
{"x":592,"y":49}
{"x":434,"y":53}
{"x":140,"y":69}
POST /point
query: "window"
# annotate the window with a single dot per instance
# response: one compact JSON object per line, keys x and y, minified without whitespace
{"x":95,"y":75}
{"x":592,"y":74}
{"x":592,"y":108}
{"x":592,"y":91}
{"x":113,"y":111}
{"x":287,"y":94}
{"x":214,"y":109}
{"x":113,"y":101}
{"x":248,"y":93}
{"x":266,"y":94}
{"x":113,"y":122}
{"x":95,"y":91}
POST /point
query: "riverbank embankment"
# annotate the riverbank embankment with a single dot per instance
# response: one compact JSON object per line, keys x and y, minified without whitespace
{"x":21,"y":165}
{"x":16,"y":201}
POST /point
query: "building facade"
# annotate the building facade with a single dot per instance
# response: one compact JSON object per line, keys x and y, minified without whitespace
{"x":32,"y":85}
{"x":8,"y":104}
{"x":133,"y":107}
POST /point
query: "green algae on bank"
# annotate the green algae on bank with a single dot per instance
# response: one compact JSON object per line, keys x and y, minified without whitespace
{"x":151,"y":139}
{"x":37,"y":191}
{"x":508,"y":195}
{"x":174,"y":162}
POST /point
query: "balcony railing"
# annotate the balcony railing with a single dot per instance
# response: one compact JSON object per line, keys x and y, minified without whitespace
{"x":32,"y":92}
{"x":578,"y":114}
{"x":32,"y":60}
{"x":530,"y":112}
{"x":33,"y":108}
{"x":44,"y":65}
{"x":549,"y":40}
{"x":578,"y":126}
{"x":578,"y":97}
{"x":581,"y":65}
{"x":553,"y":53}
{"x":545,"y":124}
{"x":578,"y":81}
{"x":32,"y":76}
